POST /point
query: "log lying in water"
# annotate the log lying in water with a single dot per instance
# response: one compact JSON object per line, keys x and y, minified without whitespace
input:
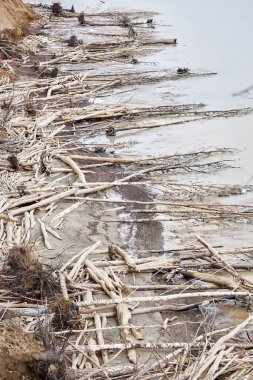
{"x":172,"y":41}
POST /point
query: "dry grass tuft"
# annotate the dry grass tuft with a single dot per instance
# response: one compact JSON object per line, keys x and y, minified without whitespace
{"x":30,"y":277}
{"x":65,"y":314}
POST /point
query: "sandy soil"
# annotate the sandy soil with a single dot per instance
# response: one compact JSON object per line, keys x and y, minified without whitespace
{"x":15,"y":345}
{"x":14,"y":17}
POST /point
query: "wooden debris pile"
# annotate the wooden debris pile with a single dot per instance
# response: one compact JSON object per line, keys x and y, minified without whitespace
{"x":108,"y":311}
{"x":90,"y":295}
{"x":79,"y":86}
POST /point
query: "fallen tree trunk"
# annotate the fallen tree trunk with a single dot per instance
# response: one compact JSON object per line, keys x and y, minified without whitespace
{"x":217,"y":280}
{"x":118,"y":300}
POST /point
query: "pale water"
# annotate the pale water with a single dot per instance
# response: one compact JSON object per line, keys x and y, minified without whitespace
{"x":215,"y":36}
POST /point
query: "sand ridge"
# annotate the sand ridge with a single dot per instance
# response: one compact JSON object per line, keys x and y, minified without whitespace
{"x":15,"y":16}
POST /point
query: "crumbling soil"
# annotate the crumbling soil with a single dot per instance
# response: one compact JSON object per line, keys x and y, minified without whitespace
{"x":15,"y":17}
{"x":17,"y":351}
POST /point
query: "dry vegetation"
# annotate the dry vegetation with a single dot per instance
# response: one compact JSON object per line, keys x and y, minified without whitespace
{"x":105,"y":313}
{"x":15,"y":17}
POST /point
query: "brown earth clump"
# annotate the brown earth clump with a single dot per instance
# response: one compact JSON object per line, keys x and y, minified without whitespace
{"x":65,"y":314}
{"x":26,"y":356}
{"x":15,"y":17}
{"x":22,"y":257}
{"x":30,"y":277}
{"x":6,"y":74}
{"x":17,"y":350}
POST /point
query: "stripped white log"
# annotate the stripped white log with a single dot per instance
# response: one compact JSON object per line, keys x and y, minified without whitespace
{"x":53,"y":232}
{"x":74,"y":272}
{"x":110,"y":372}
{"x":58,"y":224}
{"x":43,"y":122}
{"x":120,"y":160}
{"x":92,"y":355}
{"x":124,"y":346}
{"x":100,"y":337}
{"x":83,"y":358}
{"x":3,"y":200}
{"x":1,"y":228}
{"x":115,"y":263}
{"x":118,"y":300}
{"x":246,"y":283}
{"x":88,"y":296}
{"x":32,"y":220}
{"x":27,"y":199}
{"x":149,"y":266}
{"x":43,"y":202}
{"x":17,"y":238}
{"x":66,"y":211}
{"x":99,"y":281}
{"x":104,"y":322}
{"x":68,"y":161}
{"x":125,"y":256}
{"x":57,"y":130}
{"x":68,"y":263}
{"x":9,"y":234}
{"x":27,"y":228}
{"x":101,"y":278}
{"x":44,"y":234}
{"x":25,"y":311}
{"x":206,"y":361}
{"x":63,"y":286}
{"x":77,"y":358}
{"x":115,"y":183}
{"x":124,"y":316}
{"x":142,"y":310}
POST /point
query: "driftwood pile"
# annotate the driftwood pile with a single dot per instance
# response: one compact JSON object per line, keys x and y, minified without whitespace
{"x":108,"y":312}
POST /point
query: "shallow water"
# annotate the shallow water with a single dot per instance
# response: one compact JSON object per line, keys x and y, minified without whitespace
{"x":212,"y":36}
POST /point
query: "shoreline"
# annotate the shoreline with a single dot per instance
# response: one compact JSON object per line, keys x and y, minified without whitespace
{"x":52,"y":216}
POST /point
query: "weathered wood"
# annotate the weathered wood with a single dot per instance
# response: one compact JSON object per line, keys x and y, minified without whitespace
{"x":212,"y":294}
{"x":246,"y":283}
{"x":217,"y":280}
{"x":124,"y":315}
{"x":128,"y":259}
{"x":100,"y":337}
{"x":82,"y":259}
{"x":68,"y":161}
{"x":43,"y":202}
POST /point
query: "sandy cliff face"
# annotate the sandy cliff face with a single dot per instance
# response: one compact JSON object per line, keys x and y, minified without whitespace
{"x":15,"y":16}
